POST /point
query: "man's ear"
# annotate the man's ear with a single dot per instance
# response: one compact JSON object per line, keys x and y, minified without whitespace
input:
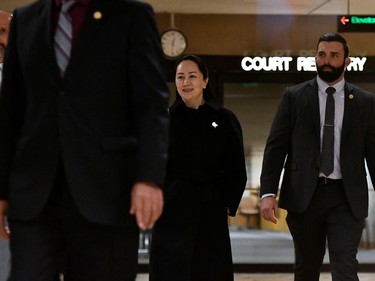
{"x":347,"y":61}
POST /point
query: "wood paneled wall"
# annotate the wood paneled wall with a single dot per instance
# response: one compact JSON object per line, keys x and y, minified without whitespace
{"x":260,"y":34}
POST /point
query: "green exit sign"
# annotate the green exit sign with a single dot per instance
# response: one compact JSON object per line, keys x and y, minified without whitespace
{"x":362,"y":23}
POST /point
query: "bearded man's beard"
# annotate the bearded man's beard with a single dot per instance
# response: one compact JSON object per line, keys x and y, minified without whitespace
{"x":333,"y":74}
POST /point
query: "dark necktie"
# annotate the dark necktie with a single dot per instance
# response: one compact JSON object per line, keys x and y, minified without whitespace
{"x":328,"y":134}
{"x":63,"y":36}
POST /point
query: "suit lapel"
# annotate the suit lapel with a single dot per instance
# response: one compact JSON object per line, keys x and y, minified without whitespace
{"x":47,"y":16}
{"x":96,"y":14}
{"x":313,"y":97}
{"x":350,"y":112}
{"x":45,"y":38}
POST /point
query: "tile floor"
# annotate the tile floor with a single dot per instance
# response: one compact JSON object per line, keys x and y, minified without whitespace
{"x":276,"y":276}
{"x":273,"y":277}
{"x":249,"y":247}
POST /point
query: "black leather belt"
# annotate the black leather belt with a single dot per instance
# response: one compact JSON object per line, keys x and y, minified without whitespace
{"x":324,"y":180}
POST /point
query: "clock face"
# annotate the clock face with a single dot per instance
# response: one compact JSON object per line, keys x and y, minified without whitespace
{"x":173,"y":43}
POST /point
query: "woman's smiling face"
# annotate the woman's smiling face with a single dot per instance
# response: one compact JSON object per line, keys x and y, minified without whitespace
{"x":190,"y":83}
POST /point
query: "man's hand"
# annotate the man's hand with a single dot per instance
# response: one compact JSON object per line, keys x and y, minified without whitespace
{"x":146,"y":204}
{"x":269,"y":209}
{"x":4,"y":230}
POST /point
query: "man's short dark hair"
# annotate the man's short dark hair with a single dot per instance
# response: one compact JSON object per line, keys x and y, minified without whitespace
{"x":335,"y":37}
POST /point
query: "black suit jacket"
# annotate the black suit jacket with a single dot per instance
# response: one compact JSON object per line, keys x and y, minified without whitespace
{"x":294,"y":143}
{"x":106,"y":119}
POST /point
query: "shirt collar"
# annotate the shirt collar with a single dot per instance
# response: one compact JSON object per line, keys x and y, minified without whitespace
{"x":180,"y":104}
{"x":82,"y":2}
{"x":323,"y":85}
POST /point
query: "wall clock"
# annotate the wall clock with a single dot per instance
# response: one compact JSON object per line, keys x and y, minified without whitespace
{"x":173,"y":43}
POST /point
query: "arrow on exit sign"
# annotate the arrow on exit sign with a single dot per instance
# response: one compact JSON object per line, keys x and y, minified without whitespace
{"x":350,"y":23}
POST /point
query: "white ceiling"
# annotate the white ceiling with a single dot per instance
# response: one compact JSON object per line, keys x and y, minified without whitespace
{"x":299,"y":7}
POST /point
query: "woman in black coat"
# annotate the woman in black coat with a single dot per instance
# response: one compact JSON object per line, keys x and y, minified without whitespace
{"x":206,"y":176}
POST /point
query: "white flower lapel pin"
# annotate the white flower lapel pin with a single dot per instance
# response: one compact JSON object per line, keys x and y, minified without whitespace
{"x":214,"y":124}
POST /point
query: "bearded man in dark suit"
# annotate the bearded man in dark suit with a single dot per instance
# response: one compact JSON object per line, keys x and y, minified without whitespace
{"x":324,"y":186}
{"x":83,"y":148}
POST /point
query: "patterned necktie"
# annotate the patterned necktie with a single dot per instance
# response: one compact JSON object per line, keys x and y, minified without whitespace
{"x":63,"y":36}
{"x":328,"y":134}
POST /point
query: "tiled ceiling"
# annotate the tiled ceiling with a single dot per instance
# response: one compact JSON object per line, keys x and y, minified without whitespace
{"x":301,"y":7}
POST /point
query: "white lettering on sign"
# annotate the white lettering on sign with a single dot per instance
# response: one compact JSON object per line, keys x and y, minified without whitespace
{"x":306,"y":64}
{"x":267,"y":64}
{"x":356,"y":64}
{"x":283,"y":63}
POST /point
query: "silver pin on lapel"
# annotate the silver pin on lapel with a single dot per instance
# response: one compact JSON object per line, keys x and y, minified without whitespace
{"x":214,"y":124}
